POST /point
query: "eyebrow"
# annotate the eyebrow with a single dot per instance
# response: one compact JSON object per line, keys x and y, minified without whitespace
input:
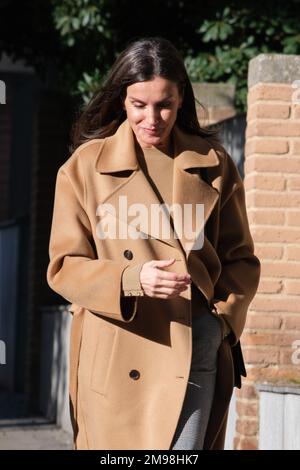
{"x":132,"y":98}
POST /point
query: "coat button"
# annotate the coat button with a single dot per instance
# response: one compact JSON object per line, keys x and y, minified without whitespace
{"x":134,"y":374}
{"x":128,"y":254}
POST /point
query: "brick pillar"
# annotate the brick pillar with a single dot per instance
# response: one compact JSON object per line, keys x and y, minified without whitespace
{"x":272,"y":182}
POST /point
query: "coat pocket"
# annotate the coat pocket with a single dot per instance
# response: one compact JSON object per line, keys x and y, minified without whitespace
{"x":103,"y":359}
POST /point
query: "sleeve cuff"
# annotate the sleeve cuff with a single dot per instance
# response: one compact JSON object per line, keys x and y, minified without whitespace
{"x":131,"y":285}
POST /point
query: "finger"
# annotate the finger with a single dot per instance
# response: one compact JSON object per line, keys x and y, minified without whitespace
{"x":163,"y":263}
{"x":171,"y":284}
{"x":173,"y":276}
{"x":167,"y":291}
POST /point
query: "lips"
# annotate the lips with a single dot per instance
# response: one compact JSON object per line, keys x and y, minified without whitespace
{"x":151,"y":131}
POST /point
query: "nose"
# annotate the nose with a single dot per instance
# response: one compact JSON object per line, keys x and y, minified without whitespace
{"x":152,"y":116}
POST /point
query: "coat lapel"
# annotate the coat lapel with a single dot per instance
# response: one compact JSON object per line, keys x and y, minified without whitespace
{"x":191,"y":152}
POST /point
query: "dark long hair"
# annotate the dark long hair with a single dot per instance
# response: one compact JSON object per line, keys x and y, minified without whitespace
{"x":141,"y":61}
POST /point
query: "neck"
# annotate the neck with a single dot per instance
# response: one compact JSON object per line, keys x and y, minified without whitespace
{"x":165,"y":147}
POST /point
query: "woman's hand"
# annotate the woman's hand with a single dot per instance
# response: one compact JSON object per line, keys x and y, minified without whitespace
{"x":162,"y":284}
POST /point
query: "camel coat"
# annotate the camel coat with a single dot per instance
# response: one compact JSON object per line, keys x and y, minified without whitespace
{"x":130,"y":354}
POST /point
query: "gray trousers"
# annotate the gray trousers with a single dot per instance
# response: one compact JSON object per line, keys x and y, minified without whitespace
{"x":207,"y":337}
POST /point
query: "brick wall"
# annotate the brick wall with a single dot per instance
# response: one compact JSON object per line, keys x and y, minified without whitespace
{"x":272,"y":182}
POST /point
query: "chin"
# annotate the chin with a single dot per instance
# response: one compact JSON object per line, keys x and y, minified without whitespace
{"x":152,"y":140}
{"x":154,"y":143}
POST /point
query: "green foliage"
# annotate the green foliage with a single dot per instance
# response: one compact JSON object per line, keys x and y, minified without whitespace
{"x":220,"y":29}
{"x":87,"y":39}
{"x":79,"y":40}
{"x":89,"y":84}
{"x":229,"y":36}
{"x":237,"y":34}
{"x":74,"y":18}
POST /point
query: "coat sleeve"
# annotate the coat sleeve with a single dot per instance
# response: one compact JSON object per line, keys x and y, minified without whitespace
{"x":240,"y":273}
{"x":74,"y":270}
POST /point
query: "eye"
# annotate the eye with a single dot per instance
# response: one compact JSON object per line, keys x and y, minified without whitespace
{"x":167,"y":104}
{"x":138,"y":105}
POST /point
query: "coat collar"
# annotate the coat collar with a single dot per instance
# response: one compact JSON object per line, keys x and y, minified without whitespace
{"x":118,"y":152}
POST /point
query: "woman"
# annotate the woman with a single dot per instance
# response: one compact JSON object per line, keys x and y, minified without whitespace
{"x":151,"y":245}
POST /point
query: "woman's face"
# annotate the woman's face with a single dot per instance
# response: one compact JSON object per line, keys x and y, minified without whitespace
{"x":151,"y":108}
